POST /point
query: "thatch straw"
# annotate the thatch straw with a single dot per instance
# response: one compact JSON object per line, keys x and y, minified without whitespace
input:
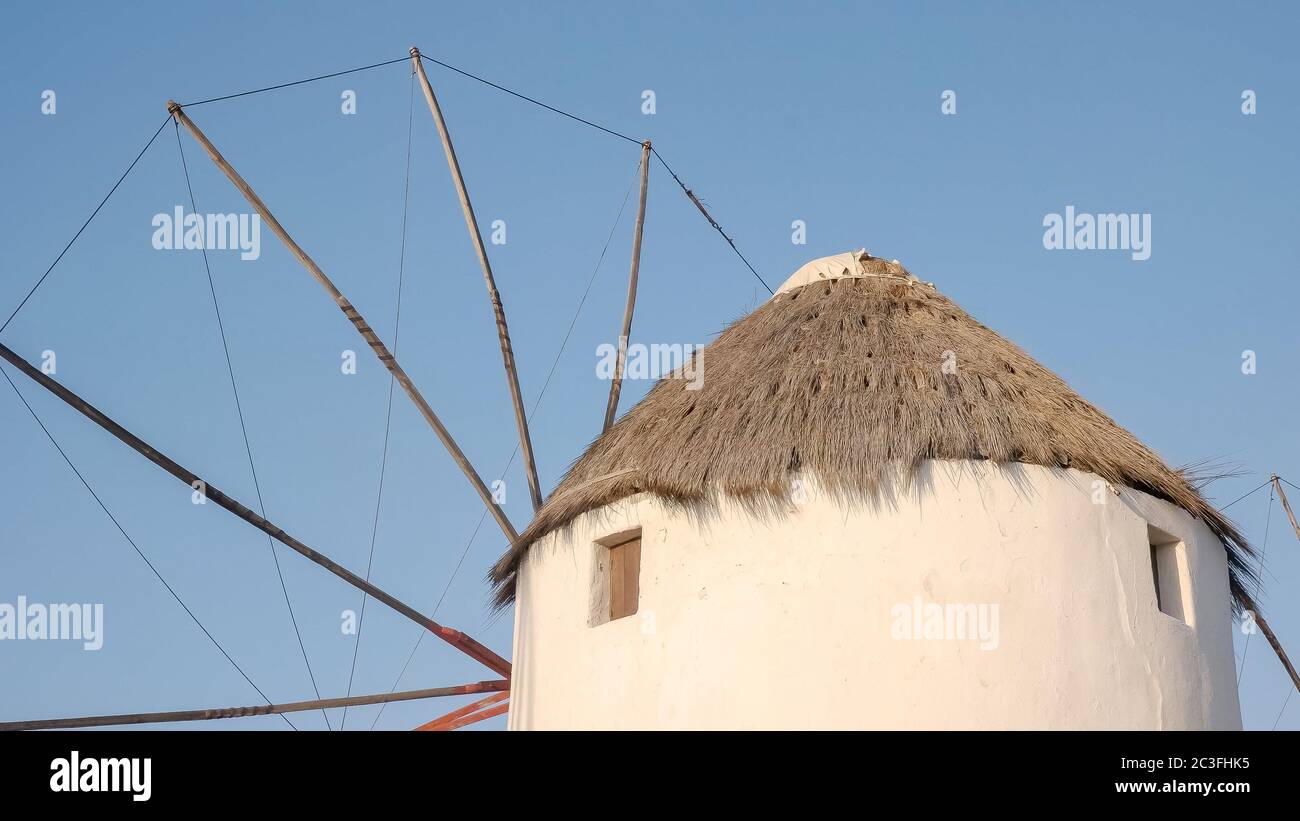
{"x":845,"y":380}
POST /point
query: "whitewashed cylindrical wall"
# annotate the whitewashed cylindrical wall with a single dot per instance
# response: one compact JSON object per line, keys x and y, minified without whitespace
{"x":1047,"y":614}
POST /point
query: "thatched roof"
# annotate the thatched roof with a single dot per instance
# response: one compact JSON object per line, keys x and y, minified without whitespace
{"x":842,"y":374}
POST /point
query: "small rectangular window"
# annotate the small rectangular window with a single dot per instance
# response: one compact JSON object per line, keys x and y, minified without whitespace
{"x":616,"y":586}
{"x":1169,"y":574}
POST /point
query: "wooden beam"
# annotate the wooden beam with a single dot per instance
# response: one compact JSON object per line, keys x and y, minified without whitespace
{"x":494,"y":296}
{"x":259,"y":710}
{"x":453,"y":637}
{"x":469,"y":709}
{"x":611,"y":409}
{"x":367,"y":333}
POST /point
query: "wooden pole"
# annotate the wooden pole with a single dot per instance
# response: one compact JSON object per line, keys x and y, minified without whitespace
{"x":1259,"y":619}
{"x":469,"y":709}
{"x":498,"y":310}
{"x":260,"y":710}
{"x":1277,"y":648}
{"x":611,"y":409}
{"x":453,"y":637}
{"x":380,"y":349}
{"x":1277,"y":486}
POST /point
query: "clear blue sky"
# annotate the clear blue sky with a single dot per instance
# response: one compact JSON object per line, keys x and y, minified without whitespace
{"x":773,"y":114}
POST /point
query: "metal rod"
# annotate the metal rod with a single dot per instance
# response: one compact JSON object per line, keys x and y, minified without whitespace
{"x":611,"y":409}
{"x":259,"y":710}
{"x":498,"y":310}
{"x":376,"y":345}
{"x":468,"y":709}
{"x":453,"y":637}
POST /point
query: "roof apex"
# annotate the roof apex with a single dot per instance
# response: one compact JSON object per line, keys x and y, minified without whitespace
{"x":849,"y":265}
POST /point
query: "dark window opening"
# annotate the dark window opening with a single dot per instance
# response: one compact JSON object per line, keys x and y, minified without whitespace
{"x":1169,"y":574}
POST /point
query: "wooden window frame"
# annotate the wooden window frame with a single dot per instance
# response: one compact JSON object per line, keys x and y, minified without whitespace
{"x":616,"y":582}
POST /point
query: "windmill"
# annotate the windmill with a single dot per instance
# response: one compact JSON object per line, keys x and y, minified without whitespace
{"x":618,"y":468}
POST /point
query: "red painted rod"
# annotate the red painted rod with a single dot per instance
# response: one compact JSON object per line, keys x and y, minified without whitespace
{"x":468,"y":709}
